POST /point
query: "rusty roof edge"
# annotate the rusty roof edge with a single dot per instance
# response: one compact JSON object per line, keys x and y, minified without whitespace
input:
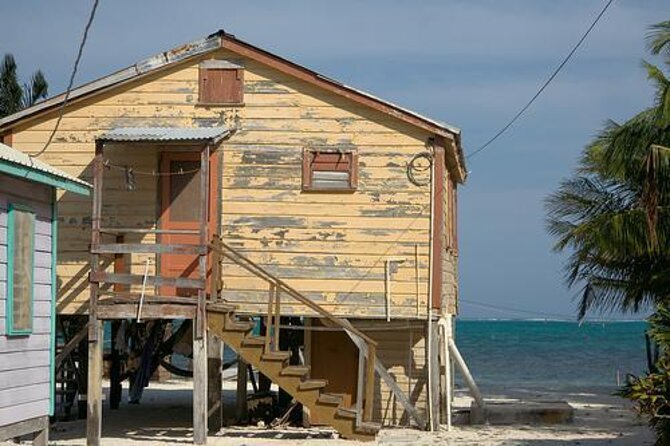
{"x":144,"y":66}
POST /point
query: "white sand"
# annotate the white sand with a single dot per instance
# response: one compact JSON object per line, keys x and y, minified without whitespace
{"x":164,"y":417}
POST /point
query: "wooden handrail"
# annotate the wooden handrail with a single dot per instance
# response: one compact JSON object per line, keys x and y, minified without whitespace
{"x":241,"y":260}
{"x":368,"y":361}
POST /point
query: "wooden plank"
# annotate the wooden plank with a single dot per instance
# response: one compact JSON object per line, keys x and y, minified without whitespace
{"x":241,"y":394}
{"x":134,"y":298}
{"x":146,"y":248}
{"x":94,"y":388}
{"x":214,"y":384}
{"x":149,"y":311}
{"x":24,"y":427}
{"x":107,"y":230}
{"x":136,"y":279}
{"x":199,"y":389}
{"x":71,"y":345}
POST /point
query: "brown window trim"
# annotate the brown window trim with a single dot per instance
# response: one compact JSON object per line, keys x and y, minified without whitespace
{"x":307,"y":170}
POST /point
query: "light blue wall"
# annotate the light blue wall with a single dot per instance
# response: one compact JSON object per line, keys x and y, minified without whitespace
{"x":25,"y":361}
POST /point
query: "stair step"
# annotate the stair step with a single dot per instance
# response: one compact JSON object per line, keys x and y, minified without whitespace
{"x":276,"y":356}
{"x":347,"y":412}
{"x":295,"y":370}
{"x":233,"y":325}
{"x":220,"y":307}
{"x":313,"y":384}
{"x":368,"y":427}
{"x":333,"y":399}
{"x":253,"y":341}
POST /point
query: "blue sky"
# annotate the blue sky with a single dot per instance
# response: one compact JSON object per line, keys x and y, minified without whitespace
{"x":470,"y":63}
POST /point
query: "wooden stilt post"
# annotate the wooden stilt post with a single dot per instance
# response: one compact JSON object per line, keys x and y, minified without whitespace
{"x":95,"y":333}
{"x":214,"y":391}
{"x":241,"y":397}
{"x":434,"y":383}
{"x":214,"y":353}
{"x":115,"y":389}
{"x":200,"y":332}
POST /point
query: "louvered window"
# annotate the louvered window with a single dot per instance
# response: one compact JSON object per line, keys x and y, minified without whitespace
{"x":329,"y":171}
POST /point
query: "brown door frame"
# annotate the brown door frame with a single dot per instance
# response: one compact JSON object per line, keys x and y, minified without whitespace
{"x":162,"y":195}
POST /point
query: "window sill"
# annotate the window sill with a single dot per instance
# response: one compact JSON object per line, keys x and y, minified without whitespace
{"x":219,"y":104}
{"x":329,"y":191}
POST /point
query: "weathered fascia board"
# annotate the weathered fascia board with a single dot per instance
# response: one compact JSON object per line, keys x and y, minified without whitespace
{"x":143,"y":67}
{"x":27,"y":173}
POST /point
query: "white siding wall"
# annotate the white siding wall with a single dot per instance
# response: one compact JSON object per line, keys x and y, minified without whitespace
{"x":25,"y":361}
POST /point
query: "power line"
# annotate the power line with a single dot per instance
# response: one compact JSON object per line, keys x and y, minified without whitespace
{"x":515,"y":310}
{"x":74,"y":73}
{"x":546,"y":83}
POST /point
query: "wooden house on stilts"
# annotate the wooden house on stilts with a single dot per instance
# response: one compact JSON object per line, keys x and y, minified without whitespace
{"x":230,"y":184}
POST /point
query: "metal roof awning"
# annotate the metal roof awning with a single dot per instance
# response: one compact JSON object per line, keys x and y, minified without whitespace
{"x":165,"y":134}
{"x":14,"y":162}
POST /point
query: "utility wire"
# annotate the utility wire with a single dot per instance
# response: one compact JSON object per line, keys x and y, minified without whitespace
{"x":515,"y":310}
{"x":546,"y":83}
{"x":74,"y":73}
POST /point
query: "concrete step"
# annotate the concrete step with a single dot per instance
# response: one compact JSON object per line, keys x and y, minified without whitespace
{"x":522,"y":412}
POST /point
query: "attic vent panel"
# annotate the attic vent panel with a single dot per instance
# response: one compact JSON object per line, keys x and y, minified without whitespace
{"x":221,"y":83}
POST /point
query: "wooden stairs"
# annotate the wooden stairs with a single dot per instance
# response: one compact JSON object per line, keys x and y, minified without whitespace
{"x":235,"y":332}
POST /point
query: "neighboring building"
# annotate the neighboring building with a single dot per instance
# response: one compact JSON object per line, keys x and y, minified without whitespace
{"x":308,"y":178}
{"x":28,"y":224}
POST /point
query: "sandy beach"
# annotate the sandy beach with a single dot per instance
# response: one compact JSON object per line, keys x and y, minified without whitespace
{"x":164,"y":417}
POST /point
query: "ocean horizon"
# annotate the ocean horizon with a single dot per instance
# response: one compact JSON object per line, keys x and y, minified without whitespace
{"x":510,"y":356}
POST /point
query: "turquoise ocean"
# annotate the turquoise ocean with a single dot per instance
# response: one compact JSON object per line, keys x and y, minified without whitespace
{"x":520,"y":356}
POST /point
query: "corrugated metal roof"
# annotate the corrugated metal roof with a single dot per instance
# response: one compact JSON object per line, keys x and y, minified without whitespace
{"x":11,"y":155}
{"x":157,"y":134}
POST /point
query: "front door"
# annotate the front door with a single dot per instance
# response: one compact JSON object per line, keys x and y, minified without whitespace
{"x":180,"y":211}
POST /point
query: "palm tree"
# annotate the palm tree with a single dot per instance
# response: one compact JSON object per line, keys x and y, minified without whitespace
{"x":613,"y":213}
{"x":13,"y":97}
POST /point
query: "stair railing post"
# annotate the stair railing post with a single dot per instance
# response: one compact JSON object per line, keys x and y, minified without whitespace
{"x":268,"y":319}
{"x":277,"y":315}
{"x":216,"y":268}
{"x":370,"y":382}
{"x":360,"y":385}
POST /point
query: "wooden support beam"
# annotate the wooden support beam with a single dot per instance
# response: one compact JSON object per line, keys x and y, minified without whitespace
{"x":241,"y":395}
{"x":434,"y":383}
{"x":25,"y":427}
{"x":94,"y":396}
{"x":199,"y":389}
{"x":268,"y":318}
{"x":277,"y":318}
{"x":369,"y":383}
{"x":71,"y":345}
{"x":214,"y":384}
{"x":149,"y":311}
{"x":147,"y":248}
{"x":115,"y":389}
{"x":95,"y":333}
{"x":151,"y":281}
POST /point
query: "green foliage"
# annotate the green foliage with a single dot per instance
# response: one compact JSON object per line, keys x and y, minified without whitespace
{"x":612,"y":216}
{"x":651,"y":392}
{"x":13,"y":97}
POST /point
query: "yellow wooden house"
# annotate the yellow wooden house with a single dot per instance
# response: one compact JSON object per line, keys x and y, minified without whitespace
{"x":231,"y":183}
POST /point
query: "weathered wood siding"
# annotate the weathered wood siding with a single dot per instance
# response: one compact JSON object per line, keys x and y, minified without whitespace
{"x":401,"y":347}
{"x":330,"y":246}
{"x":25,"y":361}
